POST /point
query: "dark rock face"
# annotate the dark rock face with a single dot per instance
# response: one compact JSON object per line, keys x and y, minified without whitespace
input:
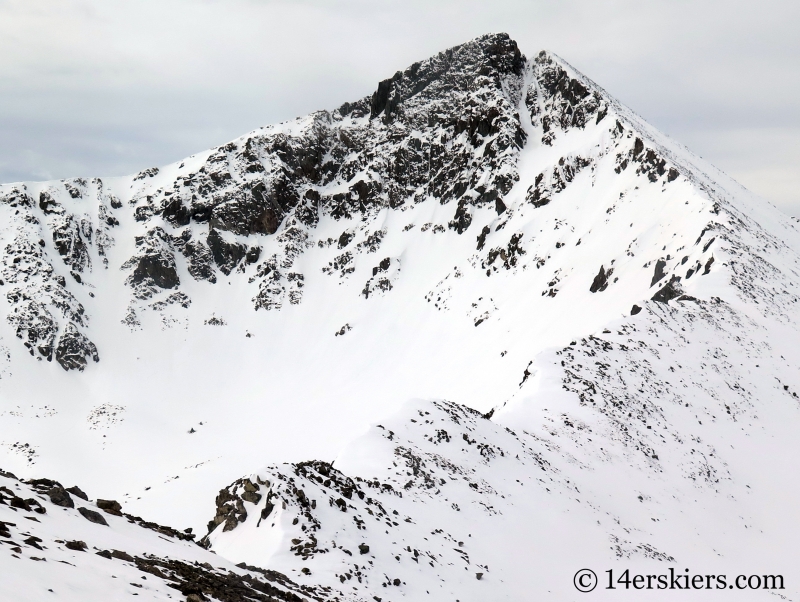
{"x":250,"y":492}
{"x":92,"y":516}
{"x":75,"y":349}
{"x":76,"y":491}
{"x":230,"y":504}
{"x":72,"y":239}
{"x":121,"y":555}
{"x":382,"y":276}
{"x":34,"y":325}
{"x":659,"y":273}
{"x":156,"y":270}
{"x":226,"y":255}
{"x":48,"y":204}
{"x":482,"y":237}
{"x":253,"y":254}
{"x":647,"y":161}
{"x":147,"y":173}
{"x":462,"y":219}
{"x":43,"y":483}
{"x":508,"y":256}
{"x":254,"y":186}
{"x":29,"y":505}
{"x":671,"y":290}
{"x":110,"y":507}
{"x":255,"y":211}
{"x":41,"y":305}
{"x":59,"y":496}
{"x":37,"y":298}
{"x":600,"y":282}
{"x":558,"y":102}
{"x":153,"y":265}
{"x":548,"y":184}
{"x":175,"y":212}
{"x":198,"y":255}
{"x":178,"y":298}
{"x":200,"y":582}
{"x":345,"y":238}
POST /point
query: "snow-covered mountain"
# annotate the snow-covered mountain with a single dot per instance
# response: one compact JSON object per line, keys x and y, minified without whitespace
{"x":463,"y":337}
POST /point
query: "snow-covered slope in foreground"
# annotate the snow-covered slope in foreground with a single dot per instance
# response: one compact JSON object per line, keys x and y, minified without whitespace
{"x":60,"y":545}
{"x":485,"y":229}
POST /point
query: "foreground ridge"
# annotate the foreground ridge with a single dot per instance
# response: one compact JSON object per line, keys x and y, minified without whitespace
{"x":627,"y":430}
{"x":63,"y":529}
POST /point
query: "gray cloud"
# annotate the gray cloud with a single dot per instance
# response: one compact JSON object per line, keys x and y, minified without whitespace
{"x":108,"y":87}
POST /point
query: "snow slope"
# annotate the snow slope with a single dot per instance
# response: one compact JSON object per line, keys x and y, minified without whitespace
{"x":57,"y":544}
{"x":486,"y":229}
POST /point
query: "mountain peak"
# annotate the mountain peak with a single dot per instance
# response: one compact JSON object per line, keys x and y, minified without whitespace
{"x":461,"y":68}
{"x":597,"y":304}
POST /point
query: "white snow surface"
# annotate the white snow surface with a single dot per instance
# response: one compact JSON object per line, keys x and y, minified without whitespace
{"x":53,"y":552}
{"x":664,"y":438}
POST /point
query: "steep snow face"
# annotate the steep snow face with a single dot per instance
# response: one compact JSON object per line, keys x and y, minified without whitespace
{"x":447,"y":238}
{"x":660,"y":443}
{"x":622,"y":454}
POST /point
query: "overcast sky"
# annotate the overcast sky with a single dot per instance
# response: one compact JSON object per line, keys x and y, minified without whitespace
{"x":108,"y":87}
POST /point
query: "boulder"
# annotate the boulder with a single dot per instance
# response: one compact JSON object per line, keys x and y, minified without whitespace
{"x":76,"y":491}
{"x":92,"y":516}
{"x":59,"y":496}
{"x":77,"y":545}
{"x":120,"y":555}
{"x":110,"y":507}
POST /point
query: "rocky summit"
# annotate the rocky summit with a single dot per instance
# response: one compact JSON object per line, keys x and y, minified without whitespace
{"x":456,"y":340}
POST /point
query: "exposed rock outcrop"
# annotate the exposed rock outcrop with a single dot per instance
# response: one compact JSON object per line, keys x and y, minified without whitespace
{"x":75,"y":350}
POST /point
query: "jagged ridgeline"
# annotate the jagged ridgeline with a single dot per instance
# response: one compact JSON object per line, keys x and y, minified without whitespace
{"x":485,"y":229}
{"x":446,"y":130}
